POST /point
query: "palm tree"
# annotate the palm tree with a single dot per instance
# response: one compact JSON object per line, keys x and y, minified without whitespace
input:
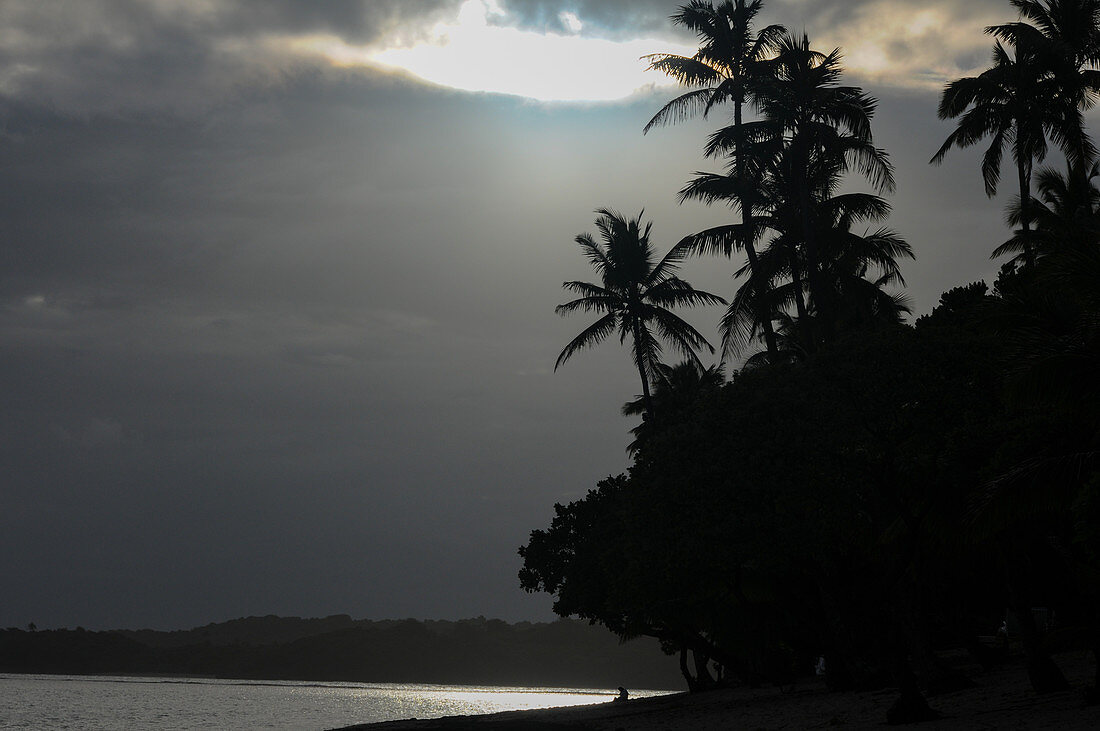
{"x":1051,"y":311}
{"x":814,"y":261}
{"x":1067,"y":36}
{"x":634,"y":296}
{"x":1069,"y":33}
{"x":827,"y":128}
{"x":779,"y":283}
{"x":730,"y":66}
{"x":676,"y":391}
{"x":730,"y":62}
{"x":750,"y":193}
{"x":1072,"y":26}
{"x":847,"y":259}
{"x":863,"y":301}
{"x":1018,"y":101}
{"x":1065,"y":213}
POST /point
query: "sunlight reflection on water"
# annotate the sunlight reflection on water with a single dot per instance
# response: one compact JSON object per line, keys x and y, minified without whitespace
{"x":99,"y":703}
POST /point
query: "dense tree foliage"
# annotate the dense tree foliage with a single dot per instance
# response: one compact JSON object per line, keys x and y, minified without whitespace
{"x":863,"y":489}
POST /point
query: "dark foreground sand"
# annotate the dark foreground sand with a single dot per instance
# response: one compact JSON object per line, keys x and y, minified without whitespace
{"x":1002,"y":699}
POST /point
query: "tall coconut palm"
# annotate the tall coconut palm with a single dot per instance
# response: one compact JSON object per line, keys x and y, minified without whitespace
{"x":729,"y":67}
{"x":854,"y":270}
{"x":1064,"y":36}
{"x":1068,"y":31}
{"x":807,"y":103}
{"x":730,"y":62}
{"x":770,"y":212}
{"x":817,"y":131}
{"x":634,"y":296}
{"x":1017,"y":102}
{"x":1066,"y":215}
{"x":826,"y":125}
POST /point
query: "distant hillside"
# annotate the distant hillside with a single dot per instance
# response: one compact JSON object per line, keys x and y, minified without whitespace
{"x":478,"y":651}
{"x":269,"y":630}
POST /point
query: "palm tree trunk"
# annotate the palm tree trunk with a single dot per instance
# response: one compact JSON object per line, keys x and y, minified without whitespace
{"x":796,"y":280}
{"x":763,"y":314}
{"x":702,"y":674}
{"x":647,"y":399}
{"x":812,"y":263}
{"x":1044,"y":675}
{"x":1023,"y":167}
{"x":684,"y":669}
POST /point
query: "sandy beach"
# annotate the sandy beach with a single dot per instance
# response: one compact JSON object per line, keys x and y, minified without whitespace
{"x":1000,"y":699}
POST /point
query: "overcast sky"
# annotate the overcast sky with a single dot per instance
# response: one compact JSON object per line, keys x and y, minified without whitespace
{"x":276,"y":313}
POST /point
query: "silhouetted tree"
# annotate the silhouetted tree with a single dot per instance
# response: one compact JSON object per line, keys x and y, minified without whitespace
{"x":1022,"y":101}
{"x":678,"y":389}
{"x":731,"y":65}
{"x":724,"y":542}
{"x":1066,"y":212}
{"x":634,"y":296}
{"x":826,"y":125}
{"x":1046,"y":309}
{"x":814,"y":131}
{"x":853,"y":268}
{"x":943,"y":471}
{"x":1068,"y":31}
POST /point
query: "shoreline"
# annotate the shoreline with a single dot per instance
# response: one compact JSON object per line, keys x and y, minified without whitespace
{"x":1001,"y":699}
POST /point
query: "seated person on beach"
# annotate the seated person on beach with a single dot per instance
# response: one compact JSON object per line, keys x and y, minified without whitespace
{"x":622,"y":694}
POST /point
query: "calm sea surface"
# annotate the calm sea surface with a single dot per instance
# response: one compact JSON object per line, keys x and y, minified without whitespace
{"x":118,"y":703}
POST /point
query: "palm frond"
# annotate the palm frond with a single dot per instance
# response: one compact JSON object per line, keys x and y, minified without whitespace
{"x":591,"y":303}
{"x":673,"y":292}
{"x":682,"y":108}
{"x":594,"y":334}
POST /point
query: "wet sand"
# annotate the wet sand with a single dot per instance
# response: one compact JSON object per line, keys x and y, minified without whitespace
{"x":1001,"y":699}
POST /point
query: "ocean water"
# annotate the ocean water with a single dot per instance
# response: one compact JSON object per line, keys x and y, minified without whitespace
{"x":93,"y":703}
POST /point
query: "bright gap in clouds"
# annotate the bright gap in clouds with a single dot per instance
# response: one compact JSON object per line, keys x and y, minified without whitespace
{"x":474,"y":55}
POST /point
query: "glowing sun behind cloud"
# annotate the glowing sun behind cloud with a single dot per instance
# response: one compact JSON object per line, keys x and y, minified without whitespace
{"x":472,"y":54}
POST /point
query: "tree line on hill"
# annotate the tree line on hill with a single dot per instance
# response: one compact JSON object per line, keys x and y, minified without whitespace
{"x":861,"y":489}
{"x":565,"y":653}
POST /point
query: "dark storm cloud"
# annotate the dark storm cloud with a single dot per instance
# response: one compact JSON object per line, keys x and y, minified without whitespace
{"x":359,"y":21}
{"x":124,"y":23}
{"x":174,"y":56}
